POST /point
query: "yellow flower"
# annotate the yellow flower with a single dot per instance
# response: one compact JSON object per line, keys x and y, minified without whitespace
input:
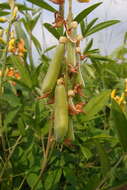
{"x":113,"y":93}
{"x":14,"y":14}
{"x":3,"y":19}
{"x":121,"y":99}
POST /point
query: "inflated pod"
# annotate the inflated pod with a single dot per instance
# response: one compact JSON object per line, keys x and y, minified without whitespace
{"x":61,"y":113}
{"x":71,"y":53}
{"x":53,"y":70}
{"x":70,"y":134}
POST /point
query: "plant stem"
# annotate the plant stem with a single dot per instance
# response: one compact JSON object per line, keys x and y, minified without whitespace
{"x":108,"y":174}
{"x":10,"y":155}
{"x":4,"y":59}
{"x":45,"y":160}
{"x":70,"y":15}
{"x":30,"y":52}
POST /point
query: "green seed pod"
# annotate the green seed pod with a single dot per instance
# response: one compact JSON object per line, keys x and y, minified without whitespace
{"x":53,"y":70}
{"x":61,"y":113}
{"x":80,"y":79}
{"x":70,"y":134}
{"x":71,"y":53}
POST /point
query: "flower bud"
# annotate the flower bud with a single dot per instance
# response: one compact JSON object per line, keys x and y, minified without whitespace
{"x":71,"y":93}
{"x":3,"y":19}
{"x":79,"y":37}
{"x":63,"y":39}
{"x":74,"y":24}
{"x":78,"y":50}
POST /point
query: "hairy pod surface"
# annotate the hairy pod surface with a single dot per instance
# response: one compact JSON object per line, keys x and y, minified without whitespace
{"x":53,"y":70}
{"x":71,"y":54}
{"x":61,"y":113}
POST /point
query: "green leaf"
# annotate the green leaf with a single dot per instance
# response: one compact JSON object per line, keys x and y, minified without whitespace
{"x":53,"y":179}
{"x":105,"y":166}
{"x":83,"y":27}
{"x":43,"y":5}
{"x":89,"y":70}
{"x":10,"y":116}
{"x":86,"y":12}
{"x":3,"y":13}
{"x":96,"y":104}
{"x":99,"y":57}
{"x":21,"y":33}
{"x":119,"y":123}
{"x":37,"y":44}
{"x":101,"y":26}
{"x":21,"y":7}
{"x":93,"y":182}
{"x":31,"y":180}
{"x":88,"y":46}
{"x":86,"y":152}
{"x":52,"y":30}
{"x":90,"y":25}
{"x":25,"y":76}
{"x":49,"y":48}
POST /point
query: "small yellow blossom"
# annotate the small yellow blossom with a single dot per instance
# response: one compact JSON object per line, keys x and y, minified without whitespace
{"x":3,"y":19}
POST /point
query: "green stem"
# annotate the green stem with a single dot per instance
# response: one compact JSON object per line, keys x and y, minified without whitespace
{"x":2,"y":78}
{"x":9,"y":157}
{"x":45,"y":160}
{"x":70,"y":15}
{"x":108,"y":174}
{"x":30,"y":52}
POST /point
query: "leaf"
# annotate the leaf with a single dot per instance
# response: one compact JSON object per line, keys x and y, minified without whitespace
{"x":89,"y":70}
{"x":37,"y":44}
{"x":96,"y":104}
{"x":105,"y":166}
{"x":21,"y":34}
{"x":31,"y":180}
{"x":53,"y":179}
{"x":101,"y":26}
{"x":83,"y":27}
{"x":21,"y":7}
{"x":86,"y":12}
{"x":93,"y":182}
{"x":90,"y":25}
{"x":52,"y":30}
{"x":49,"y":48}
{"x":3,"y":13}
{"x":119,"y":123}
{"x":11,"y":115}
{"x":25,"y":76}
{"x":99,"y":57}
{"x":88,"y":46}
{"x":86,"y":152}
{"x":43,"y":5}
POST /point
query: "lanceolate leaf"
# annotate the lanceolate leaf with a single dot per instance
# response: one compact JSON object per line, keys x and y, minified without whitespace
{"x":3,"y":13}
{"x":105,"y":166}
{"x":93,"y":182}
{"x":96,"y":104}
{"x":25,"y":76}
{"x":101,"y":26}
{"x":21,"y":7}
{"x":52,"y":30}
{"x":119,"y":123}
{"x":21,"y":33}
{"x":37,"y":44}
{"x":43,"y":5}
{"x":86,"y":12}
